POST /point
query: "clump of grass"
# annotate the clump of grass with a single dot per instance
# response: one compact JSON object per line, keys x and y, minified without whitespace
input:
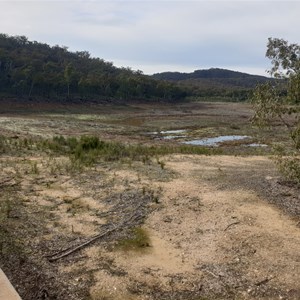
{"x":161,"y":163}
{"x":138,"y":241}
{"x":10,"y":245}
{"x":234,"y":127}
{"x":34,"y":168}
{"x":5,"y":208}
{"x":76,"y":206}
{"x":4,"y":146}
{"x":154,"y":195}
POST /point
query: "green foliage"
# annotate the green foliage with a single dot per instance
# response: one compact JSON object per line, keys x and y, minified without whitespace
{"x":290,"y":167}
{"x":272,"y":107}
{"x":32,"y":69}
{"x":285,"y":58}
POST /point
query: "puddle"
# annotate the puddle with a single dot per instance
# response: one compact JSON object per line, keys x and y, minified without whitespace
{"x":209,"y":142}
{"x":173,"y":131}
{"x":257,"y":145}
{"x":170,"y":137}
{"x":169,"y":134}
{"x":178,"y":131}
{"x":216,"y":140}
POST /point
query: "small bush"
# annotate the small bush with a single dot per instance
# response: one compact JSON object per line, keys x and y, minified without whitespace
{"x":290,"y":168}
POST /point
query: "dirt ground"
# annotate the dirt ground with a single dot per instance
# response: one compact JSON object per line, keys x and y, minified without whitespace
{"x":219,"y":227}
{"x":211,"y":238}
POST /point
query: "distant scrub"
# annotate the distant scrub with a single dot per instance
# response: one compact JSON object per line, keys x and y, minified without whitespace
{"x":89,"y":149}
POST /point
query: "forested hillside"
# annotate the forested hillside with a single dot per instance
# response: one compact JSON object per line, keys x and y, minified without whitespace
{"x":33,"y":70}
{"x":215,"y":82}
{"x":29,"y":69}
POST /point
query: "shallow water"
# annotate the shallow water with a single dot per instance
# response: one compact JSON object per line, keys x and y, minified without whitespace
{"x":257,"y":145}
{"x":216,"y":140}
{"x":169,"y":131}
{"x":171,"y":137}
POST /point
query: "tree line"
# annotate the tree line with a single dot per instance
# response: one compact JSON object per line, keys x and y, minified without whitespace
{"x":29,"y":69}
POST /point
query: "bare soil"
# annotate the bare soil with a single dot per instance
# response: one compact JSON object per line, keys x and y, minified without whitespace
{"x":220,"y":227}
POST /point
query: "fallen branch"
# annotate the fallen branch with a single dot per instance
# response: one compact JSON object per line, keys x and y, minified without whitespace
{"x":264,"y":281}
{"x":70,"y":250}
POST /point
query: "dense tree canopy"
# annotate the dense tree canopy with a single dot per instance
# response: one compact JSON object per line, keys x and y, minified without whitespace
{"x":32,"y":69}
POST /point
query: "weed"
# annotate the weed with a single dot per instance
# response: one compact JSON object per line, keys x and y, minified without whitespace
{"x":139,"y":240}
{"x":34,"y":168}
{"x":4,"y":147}
{"x":234,"y":127}
{"x":6,"y":208}
{"x":161,"y":163}
{"x":76,"y":206}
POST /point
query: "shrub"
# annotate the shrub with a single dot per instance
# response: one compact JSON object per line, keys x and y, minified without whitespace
{"x":273,"y":106}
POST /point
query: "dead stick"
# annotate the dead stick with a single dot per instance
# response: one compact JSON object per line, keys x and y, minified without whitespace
{"x":70,"y":250}
{"x":234,"y":223}
{"x":264,"y":281}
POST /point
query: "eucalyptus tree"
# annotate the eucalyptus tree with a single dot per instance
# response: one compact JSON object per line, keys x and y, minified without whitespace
{"x":272,"y":104}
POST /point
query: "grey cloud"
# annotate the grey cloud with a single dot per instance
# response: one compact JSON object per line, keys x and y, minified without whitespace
{"x":158,"y":33}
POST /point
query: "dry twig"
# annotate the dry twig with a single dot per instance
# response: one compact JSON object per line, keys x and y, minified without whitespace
{"x":234,"y":223}
{"x":70,"y":250}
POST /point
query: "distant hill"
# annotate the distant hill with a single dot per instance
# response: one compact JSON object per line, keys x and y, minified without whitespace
{"x":213,"y":73}
{"x":29,"y":69}
{"x":215,"y":82}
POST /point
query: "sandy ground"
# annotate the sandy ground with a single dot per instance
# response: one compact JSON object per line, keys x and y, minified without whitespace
{"x":214,"y":233}
{"x":220,"y":227}
{"x":210,"y":237}
{"x":216,"y":230}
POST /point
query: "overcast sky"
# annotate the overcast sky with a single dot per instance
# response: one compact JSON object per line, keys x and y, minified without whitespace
{"x":156,"y":36}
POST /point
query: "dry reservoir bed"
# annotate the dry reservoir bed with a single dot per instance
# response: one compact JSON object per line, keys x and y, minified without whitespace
{"x":167,"y":226}
{"x":210,"y":231}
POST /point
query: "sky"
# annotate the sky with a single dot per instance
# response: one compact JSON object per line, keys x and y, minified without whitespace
{"x":159,"y":35}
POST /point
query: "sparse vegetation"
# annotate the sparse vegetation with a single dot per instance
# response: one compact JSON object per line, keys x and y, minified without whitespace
{"x":272,"y":106}
{"x":88,"y":150}
{"x":66,"y":178}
